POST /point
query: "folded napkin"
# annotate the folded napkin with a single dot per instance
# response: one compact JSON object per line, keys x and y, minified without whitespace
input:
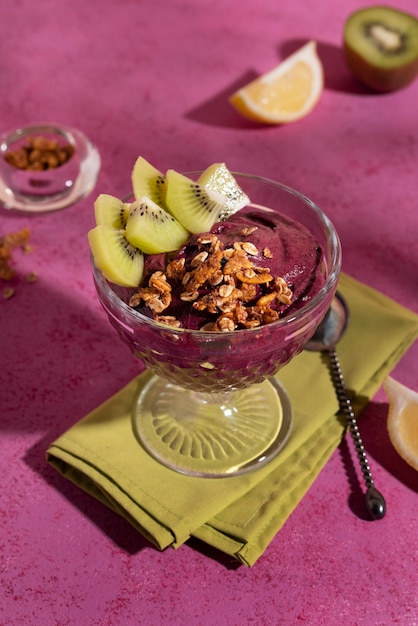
{"x":238,"y":515}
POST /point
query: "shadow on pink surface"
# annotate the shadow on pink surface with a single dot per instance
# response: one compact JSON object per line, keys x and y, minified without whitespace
{"x":218,"y":112}
{"x":337,"y":75}
{"x":377,"y":443}
{"x":75,"y":360}
{"x":357,"y":488}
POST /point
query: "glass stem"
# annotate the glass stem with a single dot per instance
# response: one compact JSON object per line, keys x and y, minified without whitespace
{"x":217,"y":397}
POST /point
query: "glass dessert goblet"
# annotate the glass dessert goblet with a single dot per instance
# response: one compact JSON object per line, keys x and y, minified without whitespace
{"x":213,"y":405}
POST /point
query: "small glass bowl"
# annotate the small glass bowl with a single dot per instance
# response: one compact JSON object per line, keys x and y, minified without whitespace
{"x":51,"y":188}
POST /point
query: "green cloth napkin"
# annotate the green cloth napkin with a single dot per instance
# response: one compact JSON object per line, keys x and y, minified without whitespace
{"x":238,"y":515}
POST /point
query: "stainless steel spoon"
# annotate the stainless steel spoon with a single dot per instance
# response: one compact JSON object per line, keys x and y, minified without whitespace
{"x":325,"y":339}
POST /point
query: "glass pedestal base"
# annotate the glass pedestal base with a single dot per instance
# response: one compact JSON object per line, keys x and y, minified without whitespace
{"x":212,"y":435}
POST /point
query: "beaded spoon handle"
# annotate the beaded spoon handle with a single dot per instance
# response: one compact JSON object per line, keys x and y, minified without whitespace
{"x":325,"y":339}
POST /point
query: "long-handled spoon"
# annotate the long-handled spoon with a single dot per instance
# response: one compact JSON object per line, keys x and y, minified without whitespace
{"x":325,"y":339}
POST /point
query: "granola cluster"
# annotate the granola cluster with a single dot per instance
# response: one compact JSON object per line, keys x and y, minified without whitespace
{"x":224,"y":282}
{"x":9,"y":243}
{"x":40,"y":153}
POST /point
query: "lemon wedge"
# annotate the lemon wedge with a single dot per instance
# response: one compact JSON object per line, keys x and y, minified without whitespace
{"x":402,"y":422}
{"x":285,"y":94}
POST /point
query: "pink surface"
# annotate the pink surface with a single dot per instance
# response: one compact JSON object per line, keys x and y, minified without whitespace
{"x":153,"y":78}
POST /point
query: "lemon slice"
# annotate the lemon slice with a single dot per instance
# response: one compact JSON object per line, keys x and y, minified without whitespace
{"x":286,"y":93}
{"x":402,"y":420}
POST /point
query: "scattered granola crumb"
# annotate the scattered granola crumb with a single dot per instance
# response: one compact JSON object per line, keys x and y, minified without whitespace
{"x":8,"y":292}
{"x":8,"y":243}
{"x":31,"y":277}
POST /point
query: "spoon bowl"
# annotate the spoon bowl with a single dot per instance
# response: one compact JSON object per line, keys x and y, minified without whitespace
{"x":332,"y":327}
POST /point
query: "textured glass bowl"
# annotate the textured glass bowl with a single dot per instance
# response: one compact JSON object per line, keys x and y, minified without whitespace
{"x":48,"y":189}
{"x":198,"y":372}
{"x":42,"y":183}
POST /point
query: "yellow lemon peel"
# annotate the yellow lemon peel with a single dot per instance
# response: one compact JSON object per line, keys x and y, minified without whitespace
{"x":402,"y":421}
{"x":286,"y":93}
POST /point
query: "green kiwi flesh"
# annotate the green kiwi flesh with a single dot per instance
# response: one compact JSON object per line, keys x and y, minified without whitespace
{"x":194,"y":206}
{"x":110,"y":211}
{"x":166,"y":210}
{"x":381,"y":47}
{"x":152,"y":229}
{"x":148,"y":181}
{"x":116,"y":258}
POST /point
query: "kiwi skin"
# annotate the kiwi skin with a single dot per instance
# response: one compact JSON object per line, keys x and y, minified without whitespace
{"x":380,"y":70}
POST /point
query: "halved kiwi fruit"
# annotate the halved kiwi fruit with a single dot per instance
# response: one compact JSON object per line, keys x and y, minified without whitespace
{"x":152,"y":229}
{"x":194,"y":206}
{"x":125,"y":232}
{"x":110,"y":211}
{"x":381,"y":47}
{"x":118,"y":260}
{"x":148,"y":181}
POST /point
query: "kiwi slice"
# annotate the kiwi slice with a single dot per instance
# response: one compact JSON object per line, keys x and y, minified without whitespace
{"x":218,"y":178}
{"x":110,"y":211}
{"x":119,"y":261}
{"x":148,"y":181}
{"x":381,"y":47}
{"x":194,"y":206}
{"x":152,"y":229}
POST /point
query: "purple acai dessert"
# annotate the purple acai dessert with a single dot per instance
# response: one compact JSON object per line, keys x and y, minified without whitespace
{"x":260,"y":261}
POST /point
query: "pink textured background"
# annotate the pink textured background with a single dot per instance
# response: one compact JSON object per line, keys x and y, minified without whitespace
{"x":152,"y":78}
